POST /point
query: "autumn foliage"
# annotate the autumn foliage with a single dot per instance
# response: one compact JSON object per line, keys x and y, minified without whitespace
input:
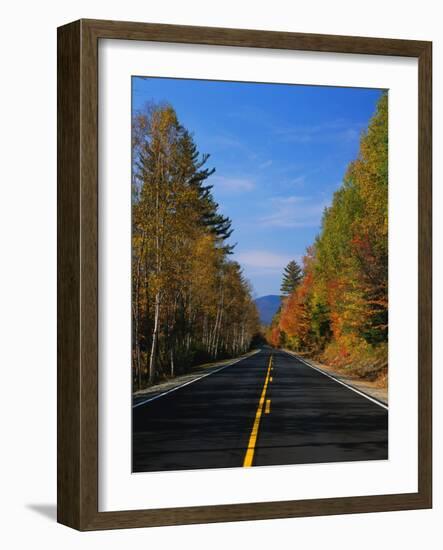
{"x":190,"y":302}
{"x":339,"y":310}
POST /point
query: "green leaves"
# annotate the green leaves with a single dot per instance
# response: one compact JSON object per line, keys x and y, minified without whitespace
{"x":339,"y":310}
{"x":292,"y":275}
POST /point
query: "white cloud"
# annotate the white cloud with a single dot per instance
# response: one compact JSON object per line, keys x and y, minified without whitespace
{"x":294,"y":211}
{"x":232,"y":185}
{"x":299,"y":180}
{"x":263,"y":260}
{"x":265,"y":164}
{"x":337,"y":130}
{"x":228,"y":142}
{"x":233,"y":144}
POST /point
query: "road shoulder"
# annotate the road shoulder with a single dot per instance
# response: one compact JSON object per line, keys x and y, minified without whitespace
{"x":364,"y":386}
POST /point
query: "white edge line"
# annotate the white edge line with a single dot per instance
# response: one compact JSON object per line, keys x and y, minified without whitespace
{"x":193,"y":380}
{"x":339,"y":381}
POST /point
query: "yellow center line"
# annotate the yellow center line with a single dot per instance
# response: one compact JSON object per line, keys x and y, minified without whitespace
{"x":249,"y":456}
{"x":268,"y":406}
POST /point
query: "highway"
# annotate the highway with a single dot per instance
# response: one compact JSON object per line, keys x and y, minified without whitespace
{"x":267,"y":409}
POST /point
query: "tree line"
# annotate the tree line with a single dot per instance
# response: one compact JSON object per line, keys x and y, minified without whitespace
{"x":337,"y":309}
{"x":190,"y":302}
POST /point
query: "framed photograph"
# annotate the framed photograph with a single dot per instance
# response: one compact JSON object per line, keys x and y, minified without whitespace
{"x":244,"y":275}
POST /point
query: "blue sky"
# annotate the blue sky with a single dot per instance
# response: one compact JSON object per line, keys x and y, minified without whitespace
{"x":280,"y":151}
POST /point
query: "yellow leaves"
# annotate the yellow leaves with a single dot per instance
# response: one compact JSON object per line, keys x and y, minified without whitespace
{"x":344,"y":291}
{"x":189,"y":302}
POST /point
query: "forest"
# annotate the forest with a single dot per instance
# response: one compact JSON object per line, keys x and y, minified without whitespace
{"x":335,"y":306}
{"x":191,"y":303}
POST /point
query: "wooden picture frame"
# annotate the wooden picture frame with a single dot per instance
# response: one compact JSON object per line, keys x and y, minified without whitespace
{"x":78,"y":273}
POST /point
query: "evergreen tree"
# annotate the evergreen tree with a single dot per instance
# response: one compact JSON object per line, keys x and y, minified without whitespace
{"x":292,"y":275}
{"x":339,"y":311}
{"x":190,"y":303}
{"x":193,"y":171}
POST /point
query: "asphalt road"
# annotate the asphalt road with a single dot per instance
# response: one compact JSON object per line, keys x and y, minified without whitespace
{"x":258,"y":412}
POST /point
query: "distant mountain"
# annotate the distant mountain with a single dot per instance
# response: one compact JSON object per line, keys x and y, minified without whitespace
{"x":267,"y":307}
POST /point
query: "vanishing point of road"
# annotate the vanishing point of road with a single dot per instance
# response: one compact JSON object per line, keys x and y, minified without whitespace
{"x":270,"y":408}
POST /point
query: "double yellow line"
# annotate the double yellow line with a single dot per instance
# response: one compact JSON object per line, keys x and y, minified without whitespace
{"x":249,"y":456}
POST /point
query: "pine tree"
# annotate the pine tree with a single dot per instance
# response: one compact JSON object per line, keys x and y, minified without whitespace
{"x":193,"y":171}
{"x":292,"y":275}
{"x":190,"y":302}
{"x":339,"y":311}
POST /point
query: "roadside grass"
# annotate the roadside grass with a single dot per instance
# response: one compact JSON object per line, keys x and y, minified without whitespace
{"x":358,"y":359}
{"x":355,"y":358}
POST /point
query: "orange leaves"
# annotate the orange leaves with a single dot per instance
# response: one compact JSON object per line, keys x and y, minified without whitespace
{"x":340,"y":309}
{"x":273,"y":336}
{"x":295,"y":317}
